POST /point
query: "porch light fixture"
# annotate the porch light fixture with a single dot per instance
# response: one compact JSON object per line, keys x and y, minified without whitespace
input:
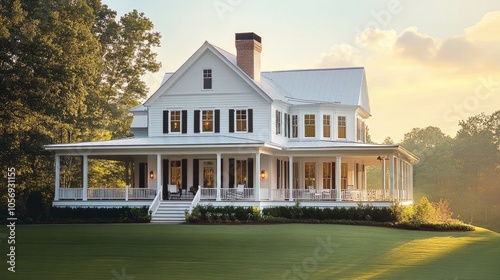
{"x":151,"y":174}
{"x":263,"y":174}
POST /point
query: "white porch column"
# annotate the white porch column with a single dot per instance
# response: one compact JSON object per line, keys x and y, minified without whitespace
{"x":290,"y":177}
{"x":158,"y":175}
{"x":85,"y":167}
{"x":338,"y":181}
{"x":57,"y":184}
{"x":383,"y":176}
{"x":219,"y":176}
{"x":257,"y":177}
{"x":391,"y":176}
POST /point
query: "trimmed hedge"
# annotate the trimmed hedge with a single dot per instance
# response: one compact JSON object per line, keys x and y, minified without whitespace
{"x":226,"y":214}
{"x":69,"y":215}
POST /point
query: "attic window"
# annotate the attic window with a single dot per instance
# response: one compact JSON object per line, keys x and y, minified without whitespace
{"x":207,"y":78}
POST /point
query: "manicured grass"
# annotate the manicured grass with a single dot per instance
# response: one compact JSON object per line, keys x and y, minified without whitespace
{"x":292,"y":251}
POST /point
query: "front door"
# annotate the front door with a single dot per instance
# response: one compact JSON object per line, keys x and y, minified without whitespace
{"x":208,"y":173}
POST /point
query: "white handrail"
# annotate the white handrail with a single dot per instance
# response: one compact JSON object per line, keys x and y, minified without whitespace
{"x":156,"y":203}
{"x":195,"y":201}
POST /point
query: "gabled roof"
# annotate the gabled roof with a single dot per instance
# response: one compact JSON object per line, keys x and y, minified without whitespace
{"x":227,"y":58}
{"x":344,"y":86}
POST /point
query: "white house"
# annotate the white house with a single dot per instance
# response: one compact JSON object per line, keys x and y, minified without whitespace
{"x":245,"y":137}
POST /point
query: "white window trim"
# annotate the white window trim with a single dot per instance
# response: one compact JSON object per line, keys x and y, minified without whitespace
{"x":323,"y":126}
{"x":315,"y":126}
{"x":297,"y":125}
{"x":213,"y":121}
{"x":279,"y":124}
{"x":203,"y":79}
{"x":337,"y":126}
{"x":236,"y":120}
{"x":170,"y":122}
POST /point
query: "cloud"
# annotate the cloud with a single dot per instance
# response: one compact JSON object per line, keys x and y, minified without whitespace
{"x":342,"y":55}
{"x":413,"y":44}
{"x":377,"y":39}
{"x":487,"y":30}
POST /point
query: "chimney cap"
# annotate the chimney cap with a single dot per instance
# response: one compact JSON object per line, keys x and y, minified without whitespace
{"x":248,"y":36}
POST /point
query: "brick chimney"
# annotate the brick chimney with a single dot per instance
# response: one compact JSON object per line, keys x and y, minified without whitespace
{"x":248,"y":49}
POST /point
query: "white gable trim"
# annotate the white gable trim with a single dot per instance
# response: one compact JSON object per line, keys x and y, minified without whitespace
{"x":195,"y":57}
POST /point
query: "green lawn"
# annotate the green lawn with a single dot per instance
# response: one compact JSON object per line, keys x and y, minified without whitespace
{"x":295,"y":251}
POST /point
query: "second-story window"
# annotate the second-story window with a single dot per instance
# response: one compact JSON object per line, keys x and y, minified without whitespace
{"x":295,"y":126}
{"x":278,"y":122}
{"x":341,"y":127}
{"x":326,"y":126}
{"x":309,"y":125}
{"x":207,"y":121}
{"x":175,"y":121}
{"x":241,"y":120}
{"x":207,"y":78}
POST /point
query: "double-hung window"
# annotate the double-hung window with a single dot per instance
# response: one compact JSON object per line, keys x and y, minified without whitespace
{"x":175,"y":121}
{"x":309,"y":125}
{"x":341,"y":127}
{"x":326,"y":126}
{"x":207,"y":120}
{"x":295,"y":126}
{"x":278,"y":122}
{"x":241,"y":120}
{"x":207,"y":78}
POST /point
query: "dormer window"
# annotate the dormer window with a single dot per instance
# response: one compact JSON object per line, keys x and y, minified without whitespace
{"x":207,"y":78}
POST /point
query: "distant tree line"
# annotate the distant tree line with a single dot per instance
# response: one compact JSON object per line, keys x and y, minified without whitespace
{"x":69,"y":71}
{"x":465,"y":169}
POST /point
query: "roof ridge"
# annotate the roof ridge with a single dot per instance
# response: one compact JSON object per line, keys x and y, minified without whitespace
{"x":315,"y":69}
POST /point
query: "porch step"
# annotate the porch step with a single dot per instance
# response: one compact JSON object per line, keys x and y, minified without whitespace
{"x":171,"y":212}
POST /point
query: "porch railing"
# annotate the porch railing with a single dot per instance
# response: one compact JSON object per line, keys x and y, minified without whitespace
{"x":125,"y":193}
{"x":156,"y":203}
{"x":195,"y":201}
{"x":227,"y":194}
{"x":208,"y":193}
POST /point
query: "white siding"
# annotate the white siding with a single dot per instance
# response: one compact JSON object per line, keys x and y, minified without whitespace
{"x":229,"y":92}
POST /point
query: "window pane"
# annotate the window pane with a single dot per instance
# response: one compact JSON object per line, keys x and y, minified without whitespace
{"x":207,"y":79}
{"x":241,"y":120}
{"x":309,"y":125}
{"x":208,"y":121}
{"x":342,"y":127}
{"x":241,"y":172}
{"x":295,"y":126}
{"x":310,"y":175}
{"x":175,"y":121}
{"x":327,"y":175}
{"x":175,"y":173}
{"x":326,"y":126}
{"x":278,"y":122}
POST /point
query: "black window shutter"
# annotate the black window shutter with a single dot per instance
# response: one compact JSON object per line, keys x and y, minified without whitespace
{"x":333,"y":176}
{"x":231,"y":120}
{"x":250,"y":120}
{"x":142,"y":175}
{"x":231,"y":172}
{"x":184,"y":121}
{"x":250,"y":173}
{"x":166,"y":179}
{"x":184,"y":175}
{"x":222,"y":174}
{"x":196,"y":172}
{"x":197,"y":121}
{"x":165,"y":121}
{"x":217,"y":121}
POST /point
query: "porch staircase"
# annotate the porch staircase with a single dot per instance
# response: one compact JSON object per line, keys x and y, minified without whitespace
{"x":171,"y":211}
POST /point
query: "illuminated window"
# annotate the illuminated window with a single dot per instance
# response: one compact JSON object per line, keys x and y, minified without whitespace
{"x":175,"y":121}
{"x":326,"y":126}
{"x":341,"y":127}
{"x":175,"y":173}
{"x":241,"y":172}
{"x":309,"y":125}
{"x":310,"y":175}
{"x":241,"y":120}
{"x":327,"y":175}
{"x":207,"y":120}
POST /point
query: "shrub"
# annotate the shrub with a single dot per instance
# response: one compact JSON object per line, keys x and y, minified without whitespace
{"x":99,"y":215}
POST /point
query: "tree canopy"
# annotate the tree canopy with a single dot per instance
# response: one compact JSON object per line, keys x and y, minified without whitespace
{"x":69,"y":71}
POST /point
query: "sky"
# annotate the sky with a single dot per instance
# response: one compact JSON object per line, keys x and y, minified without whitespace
{"x":428,"y":63}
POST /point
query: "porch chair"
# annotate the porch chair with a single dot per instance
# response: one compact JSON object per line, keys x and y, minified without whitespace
{"x":240,"y":192}
{"x":174,"y":192}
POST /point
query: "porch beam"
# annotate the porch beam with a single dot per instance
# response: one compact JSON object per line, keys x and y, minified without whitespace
{"x":338,"y":184}
{"x":158,"y":175}
{"x":218,"y":179}
{"x":257,"y":176}
{"x":58,"y":178}
{"x":85,"y":167}
{"x":290,"y":177}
